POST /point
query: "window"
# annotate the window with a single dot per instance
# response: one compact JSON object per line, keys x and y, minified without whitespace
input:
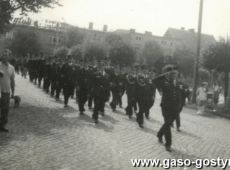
{"x":138,"y":38}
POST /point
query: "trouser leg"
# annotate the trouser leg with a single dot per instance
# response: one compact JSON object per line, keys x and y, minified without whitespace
{"x":165,"y":130}
{"x":81,"y":100}
{"x":96,"y":109}
{"x":5,"y":103}
{"x":66,"y":91}
{"x":90,"y":101}
{"x":140,"y":115}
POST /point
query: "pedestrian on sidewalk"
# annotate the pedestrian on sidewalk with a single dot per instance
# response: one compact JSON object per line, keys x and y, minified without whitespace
{"x":7,"y":84}
{"x":201,"y":97}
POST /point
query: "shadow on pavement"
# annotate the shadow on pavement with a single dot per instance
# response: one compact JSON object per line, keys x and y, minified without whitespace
{"x":110,"y":119}
{"x":148,"y":130}
{"x":184,"y":133}
{"x":102,"y":126}
{"x":209,"y":115}
{"x":177,"y":154}
{"x":41,"y":121}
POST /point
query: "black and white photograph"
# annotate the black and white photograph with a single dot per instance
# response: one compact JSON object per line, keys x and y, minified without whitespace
{"x":114,"y":84}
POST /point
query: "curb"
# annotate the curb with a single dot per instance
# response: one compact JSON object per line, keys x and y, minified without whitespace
{"x":215,"y":113}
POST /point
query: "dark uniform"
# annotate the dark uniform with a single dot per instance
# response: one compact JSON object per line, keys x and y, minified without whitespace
{"x":131,"y":94}
{"x":170,"y":104}
{"x":99,"y":95}
{"x":82,"y":80}
{"x":68,"y":82}
{"x":182,"y":91}
{"x":142,"y":98}
{"x":114,"y":82}
{"x":150,"y":96}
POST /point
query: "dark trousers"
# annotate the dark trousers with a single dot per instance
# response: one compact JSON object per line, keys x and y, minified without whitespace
{"x":53,"y":87}
{"x":40,"y":80}
{"x":5,"y":103}
{"x":169,"y":115}
{"x":178,"y":118}
{"x":46,"y":85}
{"x":114,"y":102}
{"x":143,"y":105}
{"x":119,"y":100}
{"x":90,"y":101}
{"x":131,"y":104}
{"x":99,"y":105}
{"x":58,"y":90}
{"x":82,"y":98}
{"x":149,"y":104}
{"x":67,"y":91}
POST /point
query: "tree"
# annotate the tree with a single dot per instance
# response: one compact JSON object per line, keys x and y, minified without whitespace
{"x":25,"y":41}
{"x":76,"y":52}
{"x":113,"y":40}
{"x":152,"y":52}
{"x":184,"y":59}
{"x":217,"y":57}
{"x":95,"y":51}
{"x":122,"y":54}
{"x":204,"y":75}
{"x":8,"y":7}
{"x":61,"y":52}
{"x":74,"y":37}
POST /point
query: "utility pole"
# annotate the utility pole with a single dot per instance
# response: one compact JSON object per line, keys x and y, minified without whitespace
{"x":197,"y":61}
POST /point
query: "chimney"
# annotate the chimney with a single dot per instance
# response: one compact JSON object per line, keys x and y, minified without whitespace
{"x":90,"y":26}
{"x":148,"y":33}
{"x":105,"y":28}
{"x":132,"y":30}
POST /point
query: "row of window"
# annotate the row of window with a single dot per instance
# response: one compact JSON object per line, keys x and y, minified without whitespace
{"x":138,"y":38}
{"x":55,"y":40}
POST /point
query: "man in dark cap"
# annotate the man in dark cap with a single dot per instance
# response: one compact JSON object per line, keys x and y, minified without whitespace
{"x":170,"y":105}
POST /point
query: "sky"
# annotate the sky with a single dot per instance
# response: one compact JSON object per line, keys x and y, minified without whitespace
{"x":143,"y":15}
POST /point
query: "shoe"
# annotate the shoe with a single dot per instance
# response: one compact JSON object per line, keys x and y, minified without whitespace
{"x":178,"y":130}
{"x":96,"y":121}
{"x":130,"y":117}
{"x":160,"y":140}
{"x":147,"y":117}
{"x":65,"y":106}
{"x":4,"y":130}
{"x":81,"y":113}
{"x":168,"y":148}
{"x":140,"y":125}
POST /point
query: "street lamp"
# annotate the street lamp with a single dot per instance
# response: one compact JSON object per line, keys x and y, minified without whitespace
{"x":196,"y":64}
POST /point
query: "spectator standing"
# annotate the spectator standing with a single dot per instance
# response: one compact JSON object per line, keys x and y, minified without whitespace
{"x":201,"y":97}
{"x":7,"y":85}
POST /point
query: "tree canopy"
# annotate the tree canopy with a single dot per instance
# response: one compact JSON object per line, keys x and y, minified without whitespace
{"x":122,"y":54}
{"x":76,"y":52}
{"x":95,"y":51}
{"x":25,"y":41}
{"x":217,"y":57}
{"x":152,"y":52}
{"x":184,"y":59}
{"x":8,"y":7}
{"x":61,"y":52}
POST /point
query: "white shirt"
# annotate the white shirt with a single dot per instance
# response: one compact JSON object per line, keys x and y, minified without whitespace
{"x":201,"y":93}
{"x":5,"y":81}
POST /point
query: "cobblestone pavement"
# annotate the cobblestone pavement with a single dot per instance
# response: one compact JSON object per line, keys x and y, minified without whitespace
{"x":45,"y":136}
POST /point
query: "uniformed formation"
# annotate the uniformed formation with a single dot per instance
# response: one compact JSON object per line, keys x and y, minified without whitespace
{"x":95,"y":82}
